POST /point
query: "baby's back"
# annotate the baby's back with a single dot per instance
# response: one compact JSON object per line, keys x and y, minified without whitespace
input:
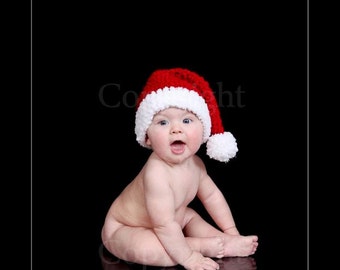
{"x":129,"y":207}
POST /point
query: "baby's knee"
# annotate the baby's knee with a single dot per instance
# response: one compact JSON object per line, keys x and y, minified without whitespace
{"x":190,"y":213}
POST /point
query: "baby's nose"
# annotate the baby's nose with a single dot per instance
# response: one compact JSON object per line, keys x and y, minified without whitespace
{"x":176,"y":129}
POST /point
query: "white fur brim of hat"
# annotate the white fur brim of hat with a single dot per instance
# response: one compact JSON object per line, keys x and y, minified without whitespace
{"x":221,"y":147}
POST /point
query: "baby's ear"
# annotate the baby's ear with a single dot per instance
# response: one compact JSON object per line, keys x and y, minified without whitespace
{"x":147,"y":141}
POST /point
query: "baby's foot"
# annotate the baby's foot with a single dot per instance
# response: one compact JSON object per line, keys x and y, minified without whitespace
{"x":239,"y":245}
{"x":212,"y":247}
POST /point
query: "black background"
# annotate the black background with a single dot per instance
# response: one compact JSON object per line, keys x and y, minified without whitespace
{"x":91,"y":59}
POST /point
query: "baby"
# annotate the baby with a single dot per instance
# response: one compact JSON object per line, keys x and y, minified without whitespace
{"x":150,"y":222}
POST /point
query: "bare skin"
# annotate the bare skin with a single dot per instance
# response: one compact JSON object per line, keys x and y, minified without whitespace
{"x":150,"y":222}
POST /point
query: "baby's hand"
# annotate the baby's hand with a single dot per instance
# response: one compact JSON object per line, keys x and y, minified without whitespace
{"x":198,"y":262}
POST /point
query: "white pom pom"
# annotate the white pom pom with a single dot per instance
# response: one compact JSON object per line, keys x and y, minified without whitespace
{"x":222,"y":147}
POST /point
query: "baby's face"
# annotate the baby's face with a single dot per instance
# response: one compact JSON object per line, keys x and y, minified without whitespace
{"x":176,"y":132}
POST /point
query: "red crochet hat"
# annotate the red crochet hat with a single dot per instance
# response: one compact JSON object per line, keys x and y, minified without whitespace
{"x":184,"y":89}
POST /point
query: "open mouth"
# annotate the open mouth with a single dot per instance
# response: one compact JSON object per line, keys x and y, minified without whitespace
{"x":177,"y":147}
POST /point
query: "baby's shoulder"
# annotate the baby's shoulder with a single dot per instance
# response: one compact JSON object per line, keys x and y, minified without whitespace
{"x":154,"y":169}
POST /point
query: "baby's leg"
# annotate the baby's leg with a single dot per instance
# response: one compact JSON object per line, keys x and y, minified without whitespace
{"x":233,"y":245}
{"x":138,"y":245}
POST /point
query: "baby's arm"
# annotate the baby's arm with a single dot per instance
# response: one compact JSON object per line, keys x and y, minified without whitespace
{"x":160,"y":205}
{"x":216,"y":205}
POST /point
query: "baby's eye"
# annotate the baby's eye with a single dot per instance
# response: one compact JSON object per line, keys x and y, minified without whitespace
{"x":187,"y":120}
{"x":163,"y":122}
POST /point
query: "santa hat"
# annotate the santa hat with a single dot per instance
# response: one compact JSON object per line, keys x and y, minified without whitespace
{"x":184,"y":89}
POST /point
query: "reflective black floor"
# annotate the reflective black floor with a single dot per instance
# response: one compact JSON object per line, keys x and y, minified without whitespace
{"x":109,"y":262}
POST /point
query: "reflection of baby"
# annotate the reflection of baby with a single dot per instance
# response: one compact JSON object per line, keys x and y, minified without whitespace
{"x":150,"y":222}
{"x":237,"y":263}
